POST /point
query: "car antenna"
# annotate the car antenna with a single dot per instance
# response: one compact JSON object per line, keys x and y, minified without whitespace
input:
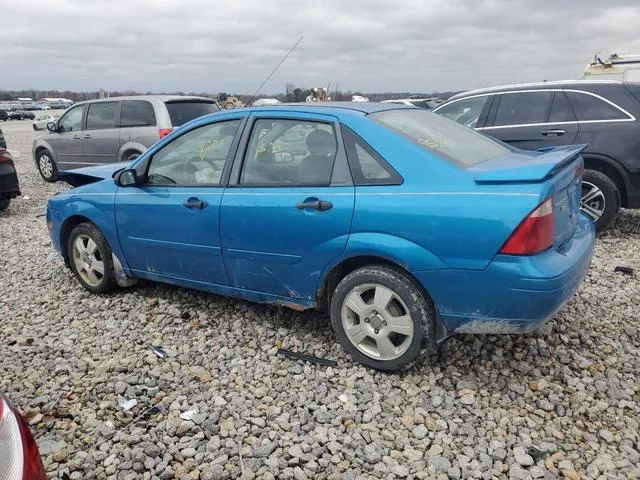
{"x":274,"y":70}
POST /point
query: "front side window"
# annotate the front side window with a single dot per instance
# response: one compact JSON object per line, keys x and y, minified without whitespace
{"x":72,"y":120}
{"x":137,"y":113}
{"x":290,"y":152}
{"x":588,"y":107}
{"x":196,"y":158}
{"x":523,"y":108}
{"x":441,"y":136}
{"x":102,"y":115}
{"x":466,"y":111}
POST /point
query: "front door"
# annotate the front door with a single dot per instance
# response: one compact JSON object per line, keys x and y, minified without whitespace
{"x":169,"y":226}
{"x":66,"y":142}
{"x":533,"y":119}
{"x":287,"y":212}
{"x":101,"y":135}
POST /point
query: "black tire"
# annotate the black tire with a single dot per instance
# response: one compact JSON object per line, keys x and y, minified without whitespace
{"x":610,"y":197}
{"x":130,"y":156}
{"x":419,"y":306}
{"x":43,"y":172}
{"x":34,"y":127}
{"x":108,"y":281}
{"x":4,"y":203}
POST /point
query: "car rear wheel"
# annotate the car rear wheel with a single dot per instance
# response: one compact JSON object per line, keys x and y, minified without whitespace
{"x":90,"y":259}
{"x":382,"y":319}
{"x":600,"y":199}
{"x":46,"y":166}
{"x":4,"y":203}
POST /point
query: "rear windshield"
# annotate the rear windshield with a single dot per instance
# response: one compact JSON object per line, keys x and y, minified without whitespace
{"x":440,"y":135}
{"x":183,"y":112}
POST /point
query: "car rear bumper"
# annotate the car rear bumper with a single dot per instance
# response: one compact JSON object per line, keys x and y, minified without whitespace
{"x":9,"y":185}
{"x":514,"y":294}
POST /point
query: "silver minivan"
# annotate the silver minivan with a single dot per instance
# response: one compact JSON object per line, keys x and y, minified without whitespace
{"x":112,"y":130}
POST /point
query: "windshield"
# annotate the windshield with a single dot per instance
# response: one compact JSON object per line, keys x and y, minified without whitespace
{"x":440,"y":135}
{"x":183,"y":112}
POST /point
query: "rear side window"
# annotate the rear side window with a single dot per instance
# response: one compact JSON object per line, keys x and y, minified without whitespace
{"x":137,"y":113}
{"x":561,"y":109}
{"x":522,"y":108}
{"x":466,"y":111}
{"x":440,"y":135}
{"x":367,"y":166}
{"x":102,"y":115}
{"x":183,"y":112}
{"x":588,"y":107}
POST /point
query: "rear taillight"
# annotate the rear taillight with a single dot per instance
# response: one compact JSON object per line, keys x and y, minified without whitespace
{"x":19,"y":456}
{"x":5,"y":156}
{"x":165,"y":131}
{"x":534,"y":234}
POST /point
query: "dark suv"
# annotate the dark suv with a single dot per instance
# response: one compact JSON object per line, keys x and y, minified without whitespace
{"x":602,"y":114}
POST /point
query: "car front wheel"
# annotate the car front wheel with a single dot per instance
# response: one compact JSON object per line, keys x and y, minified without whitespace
{"x":46,"y":166}
{"x":600,"y":199}
{"x":90,"y":258}
{"x":382,"y":319}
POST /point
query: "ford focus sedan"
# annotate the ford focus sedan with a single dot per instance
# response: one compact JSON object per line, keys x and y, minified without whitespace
{"x":404,"y":226}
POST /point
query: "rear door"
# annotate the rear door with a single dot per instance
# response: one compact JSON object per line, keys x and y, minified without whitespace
{"x":532,"y":119}
{"x":287,"y":211}
{"x":67,"y":141}
{"x":138,"y":126}
{"x":101,"y":135}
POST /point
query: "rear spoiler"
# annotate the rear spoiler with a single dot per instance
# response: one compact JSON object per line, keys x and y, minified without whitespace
{"x":526,"y":167}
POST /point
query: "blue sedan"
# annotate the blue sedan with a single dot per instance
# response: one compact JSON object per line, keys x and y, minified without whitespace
{"x":405,"y":226}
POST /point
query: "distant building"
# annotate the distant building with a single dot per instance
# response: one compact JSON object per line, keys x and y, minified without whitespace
{"x":25,"y":100}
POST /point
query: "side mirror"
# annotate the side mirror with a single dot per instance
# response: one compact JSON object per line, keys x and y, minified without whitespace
{"x":127,"y":178}
{"x":51,"y":126}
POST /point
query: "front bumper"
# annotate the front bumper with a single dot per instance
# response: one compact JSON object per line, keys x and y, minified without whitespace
{"x":514,"y":294}
{"x":9,"y":185}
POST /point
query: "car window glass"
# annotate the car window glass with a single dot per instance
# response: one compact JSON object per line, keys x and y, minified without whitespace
{"x":561,"y":109}
{"x":72,"y":120}
{"x":183,"y":112}
{"x":466,"y":111}
{"x":442,"y":136}
{"x":102,"y":115}
{"x":195,"y":158}
{"x":137,"y":113}
{"x":523,"y":108}
{"x":588,"y":107}
{"x":367,"y":166}
{"x":290,"y":152}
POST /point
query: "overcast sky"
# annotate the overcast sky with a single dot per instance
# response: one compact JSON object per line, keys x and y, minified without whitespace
{"x":366,"y":45}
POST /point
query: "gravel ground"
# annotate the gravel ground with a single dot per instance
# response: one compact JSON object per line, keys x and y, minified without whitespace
{"x":564,"y":401}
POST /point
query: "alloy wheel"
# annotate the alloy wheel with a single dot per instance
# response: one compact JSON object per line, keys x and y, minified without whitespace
{"x":46,"y":165}
{"x":88,"y":260}
{"x":377,"y":321}
{"x":592,"y":201}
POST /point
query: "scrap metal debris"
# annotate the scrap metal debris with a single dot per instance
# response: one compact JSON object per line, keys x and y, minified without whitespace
{"x":309,"y":358}
{"x":159,"y":351}
{"x":625,"y":270}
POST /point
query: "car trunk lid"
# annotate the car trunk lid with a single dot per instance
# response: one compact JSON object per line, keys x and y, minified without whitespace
{"x":558,"y":168}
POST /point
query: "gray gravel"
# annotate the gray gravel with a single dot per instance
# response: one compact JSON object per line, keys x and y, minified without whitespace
{"x":563,"y":401}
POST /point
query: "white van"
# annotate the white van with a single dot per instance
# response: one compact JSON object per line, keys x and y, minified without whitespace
{"x":624,"y":68}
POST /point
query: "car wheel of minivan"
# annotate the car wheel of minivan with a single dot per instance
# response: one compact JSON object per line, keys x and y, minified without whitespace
{"x":382,"y":318}
{"x":90,"y":259}
{"x":600,"y":199}
{"x":131,"y":156}
{"x":4,"y":203}
{"x":46,"y":166}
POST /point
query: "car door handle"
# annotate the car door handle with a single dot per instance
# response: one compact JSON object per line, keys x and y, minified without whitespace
{"x":314,"y":204}
{"x":553,"y":133}
{"x":86,"y":136}
{"x":195,"y":203}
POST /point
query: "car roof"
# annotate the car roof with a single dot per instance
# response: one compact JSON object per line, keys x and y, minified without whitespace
{"x":162,"y":98}
{"x":331,"y":108}
{"x":588,"y":84}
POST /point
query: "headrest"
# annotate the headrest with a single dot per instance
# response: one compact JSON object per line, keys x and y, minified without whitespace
{"x":320,"y":142}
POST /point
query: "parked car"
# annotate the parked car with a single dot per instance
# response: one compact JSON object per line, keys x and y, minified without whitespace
{"x":20,"y":458}
{"x":112,"y":130}
{"x":602,"y":114}
{"x":428,"y":103}
{"x":9,"y":185}
{"x":4,"y":115}
{"x":41,"y":122}
{"x":404,"y":225}
{"x":21,"y":115}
